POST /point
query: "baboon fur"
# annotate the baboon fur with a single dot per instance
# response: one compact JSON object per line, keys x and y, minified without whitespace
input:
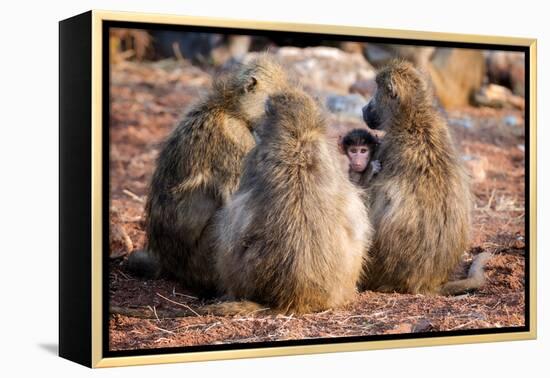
{"x":293,"y":236}
{"x":420,"y":202}
{"x":199,"y":168}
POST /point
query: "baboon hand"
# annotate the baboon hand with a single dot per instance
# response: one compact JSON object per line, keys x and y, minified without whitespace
{"x":376,"y":166}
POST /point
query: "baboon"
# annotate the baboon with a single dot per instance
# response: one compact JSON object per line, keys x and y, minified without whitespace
{"x":420,"y":202}
{"x":292,"y":237}
{"x":198,"y":169}
{"x":454,"y":85}
{"x":359,"y":146}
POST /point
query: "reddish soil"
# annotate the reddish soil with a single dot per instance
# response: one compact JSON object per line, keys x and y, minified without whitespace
{"x":147,"y":100}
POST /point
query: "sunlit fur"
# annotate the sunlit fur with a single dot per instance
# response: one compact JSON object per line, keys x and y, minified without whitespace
{"x":294,"y":234}
{"x":420,"y":200}
{"x":199,"y":168}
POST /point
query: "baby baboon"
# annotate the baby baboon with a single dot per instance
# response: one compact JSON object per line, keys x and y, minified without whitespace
{"x":293,"y":236}
{"x":420,"y":200}
{"x":199,"y":168}
{"x":359,"y":146}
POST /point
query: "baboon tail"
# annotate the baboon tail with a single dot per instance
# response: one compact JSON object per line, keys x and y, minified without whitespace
{"x":475,"y":279}
{"x":219,"y":309}
{"x":144,"y":264}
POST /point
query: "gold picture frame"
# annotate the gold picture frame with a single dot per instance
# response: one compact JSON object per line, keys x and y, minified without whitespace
{"x":82,"y":319}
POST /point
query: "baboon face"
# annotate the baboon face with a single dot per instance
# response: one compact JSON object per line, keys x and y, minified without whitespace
{"x":359,"y":145}
{"x":399,"y":87}
{"x":358,"y":157}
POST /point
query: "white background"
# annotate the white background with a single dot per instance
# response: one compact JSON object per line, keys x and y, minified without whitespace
{"x":29,"y":185}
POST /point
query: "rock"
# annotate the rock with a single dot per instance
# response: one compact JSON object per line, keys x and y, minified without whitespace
{"x":348,"y":105}
{"x":507,"y":68}
{"x":380,"y":54}
{"x":423,"y":325}
{"x":233,"y":51}
{"x":477,"y":167}
{"x":497,"y":96}
{"x":465,"y":123}
{"x":324,"y":70}
{"x":511,"y":121}
{"x":239,"y":45}
{"x":400,"y":329}
{"x":518,"y":243}
{"x":365,"y":88}
{"x":352,"y":47}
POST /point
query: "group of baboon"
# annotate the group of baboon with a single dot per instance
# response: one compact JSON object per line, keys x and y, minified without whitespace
{"x":248,"y":201}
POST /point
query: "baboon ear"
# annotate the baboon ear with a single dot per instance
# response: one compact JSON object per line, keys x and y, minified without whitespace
{"x":250,"y":84}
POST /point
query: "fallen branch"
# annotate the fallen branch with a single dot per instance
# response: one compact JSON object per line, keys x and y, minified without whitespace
{"x":133,"y":196}
{"x":179,"y":304}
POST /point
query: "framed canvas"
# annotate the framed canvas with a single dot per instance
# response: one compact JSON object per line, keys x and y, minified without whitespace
{"x":145,"y":179}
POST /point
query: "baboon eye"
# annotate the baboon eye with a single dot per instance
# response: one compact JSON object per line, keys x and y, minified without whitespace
{"x":269,"y":107}
{"x":391,"y":90}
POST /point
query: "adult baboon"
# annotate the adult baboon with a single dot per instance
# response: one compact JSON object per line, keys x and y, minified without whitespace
{"x":293,"y":236}
{"x":420,"y":200}
{"x":198,"y":169}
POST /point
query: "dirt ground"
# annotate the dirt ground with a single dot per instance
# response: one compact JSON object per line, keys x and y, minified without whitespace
{"x":147,"y":99}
